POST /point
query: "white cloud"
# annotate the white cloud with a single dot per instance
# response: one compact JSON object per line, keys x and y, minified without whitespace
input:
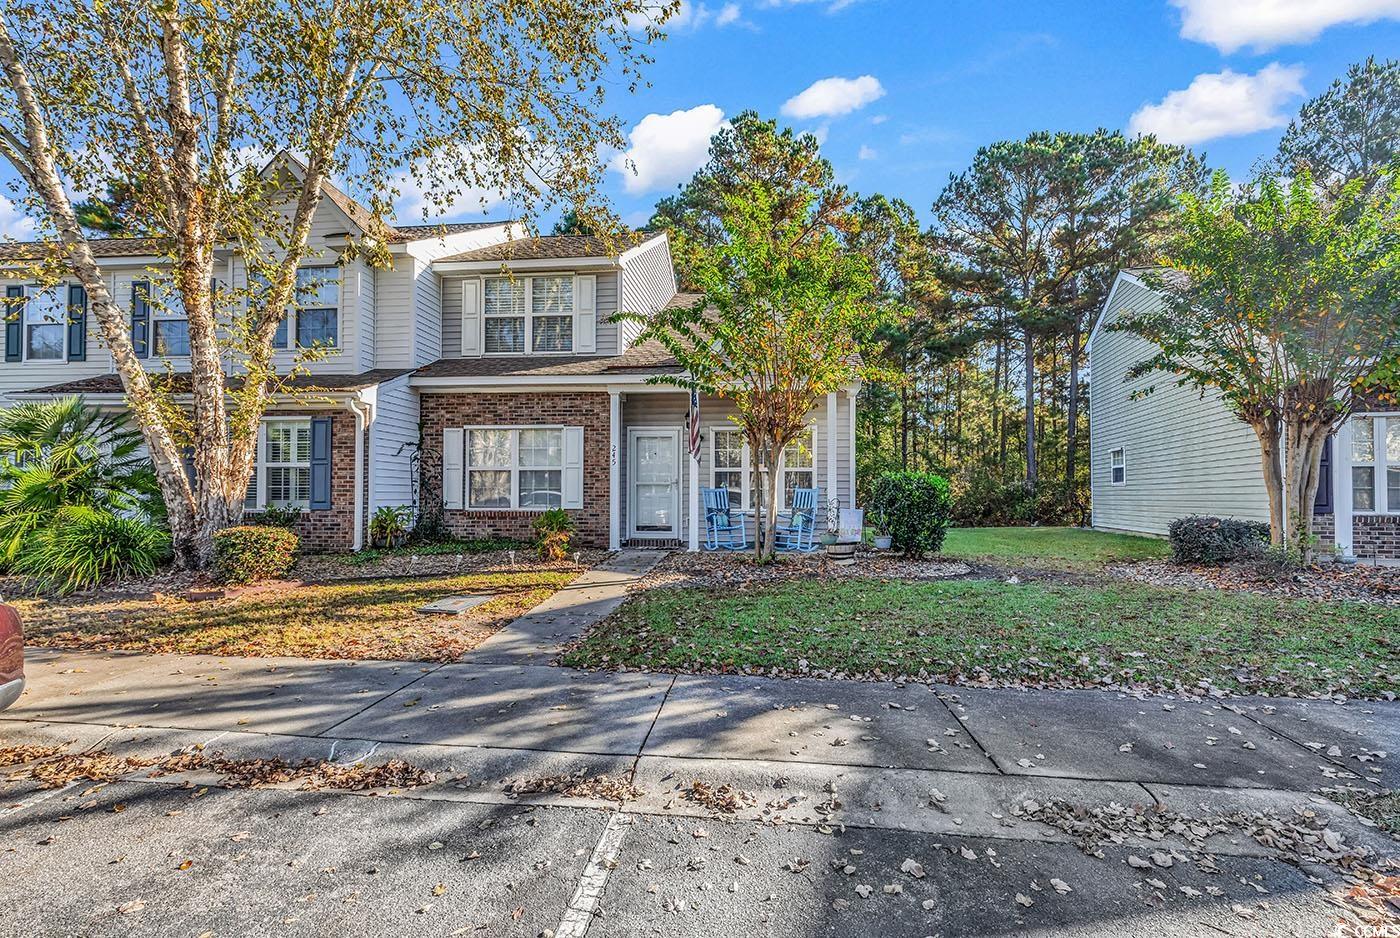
{"x":832,"y":6}
{"x":832,"y":97}
{"x":879,"y":119}
{"x":691,"y":16}
{"x":866,"y":152}
{"x":728,"y":14}
{"x":665,"y":149}
{"x":413,"y":205}
{"x":1222,"y":104}
{"x":1262,"y":24}
{"x":14,"y":223}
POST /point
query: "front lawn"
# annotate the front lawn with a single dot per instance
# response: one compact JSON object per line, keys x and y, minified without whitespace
{"x":1035,"y":633}
{"x":352,"y":619}
{"x":1051,"y":548}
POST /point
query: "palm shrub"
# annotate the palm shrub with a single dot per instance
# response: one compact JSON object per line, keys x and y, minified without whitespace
{"x":913,"y":508}
{"x":80,"y":547}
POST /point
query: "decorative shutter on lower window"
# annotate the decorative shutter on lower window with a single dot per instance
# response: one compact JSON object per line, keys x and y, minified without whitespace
{"x":453,"y":450}
{"x":1323,"y":504}
{"x":77,"y":322}
{"x":141,"y":317}
{"x":573,"y":467}
{"x":586,"y":313}
{"x":321,"y":464}
{"x":14,"y":323}
{"x":471,"y":317}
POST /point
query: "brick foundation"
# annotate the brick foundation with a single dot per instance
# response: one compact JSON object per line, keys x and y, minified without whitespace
{"x":1324,"y":529}
{"x":1375,"y":537}
{"x":589,"y":410}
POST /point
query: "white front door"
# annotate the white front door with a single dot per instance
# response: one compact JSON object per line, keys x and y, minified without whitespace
{"x":656,"y":491}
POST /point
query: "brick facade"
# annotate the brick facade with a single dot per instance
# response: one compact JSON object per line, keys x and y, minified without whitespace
{"x":1324,"y":529}
{"x":334,"y":528}
{"x":1375,"y":537}
{"x":589,"y":410}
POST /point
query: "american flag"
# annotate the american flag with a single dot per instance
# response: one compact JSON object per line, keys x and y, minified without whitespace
{"x":694,"y":421}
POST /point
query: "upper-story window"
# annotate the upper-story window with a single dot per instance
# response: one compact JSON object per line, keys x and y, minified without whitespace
{"x":170,"y":327}
{"x":534,"y":313}
{"x":314,"y":316}
{"x":45,"y":316}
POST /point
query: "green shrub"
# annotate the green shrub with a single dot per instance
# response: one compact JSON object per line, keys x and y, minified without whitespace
{"x":253,"y":552}
{"x":553,"y":530}
{"x":914,"y":508}
{"x":81,"y":547}
{"x":274,"y":516}
{"x":981,"y":501}
{"x":1207,"y":540}
{"x":388,"y":527}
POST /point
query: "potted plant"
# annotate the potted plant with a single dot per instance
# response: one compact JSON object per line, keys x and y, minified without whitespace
{"x":883,"y":538}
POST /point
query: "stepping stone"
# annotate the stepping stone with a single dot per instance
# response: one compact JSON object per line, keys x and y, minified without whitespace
{"x":453,"y":605}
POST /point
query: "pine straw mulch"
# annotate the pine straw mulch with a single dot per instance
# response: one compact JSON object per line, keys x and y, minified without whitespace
{"x":51,"y":767}
{"x":737,"y":569}
{"x":1363,"y":583}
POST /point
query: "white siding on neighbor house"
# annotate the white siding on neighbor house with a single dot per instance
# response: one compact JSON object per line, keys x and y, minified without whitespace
{"x":648,"y":282}
{"x":394,"y":294}
{"x":393,"y":444}
{"x":605,"y":298}
{"x":655,"y":410}
{"x":1185,"y":453}
{"x":23,"y":376}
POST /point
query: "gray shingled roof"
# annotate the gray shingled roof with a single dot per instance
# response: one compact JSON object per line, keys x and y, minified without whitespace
{"x":549,"y":247}
{"x":112,"y":383}
{"x":645,"y":358}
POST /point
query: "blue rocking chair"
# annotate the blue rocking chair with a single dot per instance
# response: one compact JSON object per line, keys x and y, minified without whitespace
{"x":799,"y":533}
{"x":724,"y":529}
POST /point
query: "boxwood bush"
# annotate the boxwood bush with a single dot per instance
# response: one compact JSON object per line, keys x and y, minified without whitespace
{"x":913,"y":508}
{"x":1200,"y":539}
{"x":253,"y":552}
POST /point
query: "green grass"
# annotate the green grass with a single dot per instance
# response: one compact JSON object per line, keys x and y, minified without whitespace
{"x":1381,"y":807}
{"x":1057,"y":634}
{"x":1051,"y":548}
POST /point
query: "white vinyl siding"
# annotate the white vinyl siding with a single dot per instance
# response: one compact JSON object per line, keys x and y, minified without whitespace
{"x":605,"y":333}
{"x":648,"y":282}
{"x":393,"y":444}
{"x":1190,"y":455}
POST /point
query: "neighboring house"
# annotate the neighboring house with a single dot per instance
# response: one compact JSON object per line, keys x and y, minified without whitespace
{"x":479,"y":373}
{"x":1177,"y":451}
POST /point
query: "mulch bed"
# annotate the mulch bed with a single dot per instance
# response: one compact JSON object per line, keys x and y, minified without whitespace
{"x":325,"y":568}
{"x":1330,"y":582}
{"x":737,"y":570}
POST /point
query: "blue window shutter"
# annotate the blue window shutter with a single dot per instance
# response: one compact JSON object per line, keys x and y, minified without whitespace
{"x":1323,"y":504}
{"x":321,"y":464}
{"x":14,"y":325}
{"x":141,"y":317}
{"x":77,"y":322}
{"x":187,"y":454}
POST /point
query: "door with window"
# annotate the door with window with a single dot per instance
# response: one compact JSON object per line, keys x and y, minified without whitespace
{"x":655,"y":471}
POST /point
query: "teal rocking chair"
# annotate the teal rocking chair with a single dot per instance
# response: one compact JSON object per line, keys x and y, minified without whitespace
{"x":799,"y":534}
{"x":724,"y":529}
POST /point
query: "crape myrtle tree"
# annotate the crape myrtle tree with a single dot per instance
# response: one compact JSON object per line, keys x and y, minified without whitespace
{"x":174,"y":106}
{"x":1285,"y":300}
{"x":785,"y":312}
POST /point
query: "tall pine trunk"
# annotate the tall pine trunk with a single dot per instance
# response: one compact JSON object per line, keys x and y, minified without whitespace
{"x":1072,"y":431}
{"x":1032,"y":474}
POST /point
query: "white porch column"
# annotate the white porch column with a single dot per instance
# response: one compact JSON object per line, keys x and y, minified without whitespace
{"x":851,"y":394}
{"x":694,"y":501}
{"x":833,"y":401}
{"x":1341,"y":489}
{"x":614,"y":470}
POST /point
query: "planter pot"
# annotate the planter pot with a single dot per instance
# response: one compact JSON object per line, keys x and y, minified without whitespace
{"x":883,"y":541}
{"x":843,"y":555}
{"x":827,"y":538}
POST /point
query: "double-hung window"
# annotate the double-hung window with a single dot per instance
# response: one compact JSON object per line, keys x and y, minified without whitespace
{"x":1117,"y":466}
{"x":1375,"y":470}
{"x":170,"y":326}
{"x":799,"y":461}
{"x":528,"y":313}
{"x":282,"y":472}
{"x":727,"y":461}
{"x":317,"y":303}
{"x":45,"y":321}
{"x":515,"y":467}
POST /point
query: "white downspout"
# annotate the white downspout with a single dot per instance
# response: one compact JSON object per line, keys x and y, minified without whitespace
{"x":1342,"y":528}
{"x":363,"y":415}
{"x":614,"y":470}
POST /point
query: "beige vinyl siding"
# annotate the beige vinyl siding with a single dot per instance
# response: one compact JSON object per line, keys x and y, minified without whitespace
{"x":659,"y":410}
{"x":606,"y":299}
{"x":1185,"y":452}
{"x":648,"y":282}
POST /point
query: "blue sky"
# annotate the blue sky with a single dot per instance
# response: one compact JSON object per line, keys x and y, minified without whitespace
{"x":952,"y":75}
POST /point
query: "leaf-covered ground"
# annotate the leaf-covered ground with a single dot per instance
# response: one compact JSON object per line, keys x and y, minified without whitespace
{"x":354,"y":619}
{"x":989,"y":631}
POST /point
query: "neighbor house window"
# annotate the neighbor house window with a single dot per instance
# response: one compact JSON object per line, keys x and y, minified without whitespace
{"x":1363,"y":470}
{"x":1392,"y":463}
{"x":799,"y":458}
{"x":282,"y":474}
{"x":549,"y":325}
{"x":515,"y":468}
{"x":727,"y":463}
{"x":45,"y":322}
{"x":170,"y":327}
{"x":1118,"y":466}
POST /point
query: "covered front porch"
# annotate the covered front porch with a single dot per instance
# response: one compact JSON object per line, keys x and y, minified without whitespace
{"x":655,"y":484}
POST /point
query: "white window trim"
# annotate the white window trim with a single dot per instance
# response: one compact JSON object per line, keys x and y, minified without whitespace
{"x":289,"y":315}
{"x":529,"y":308}
{"x":1119,"y":451}
{"x":1380,"y":466}
{"x":155,"y":306}
{"x":261,"y":464}
{"x":744,"y":465}
{"x":25,"y":325}
{"x":515,"y":468}
{"x":783,"y":469}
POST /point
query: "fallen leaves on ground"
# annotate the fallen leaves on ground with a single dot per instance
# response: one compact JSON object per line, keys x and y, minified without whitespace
{"x":724,"y":799}
{"x":576,"y":785}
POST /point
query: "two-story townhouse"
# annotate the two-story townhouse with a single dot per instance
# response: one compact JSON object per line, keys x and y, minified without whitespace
{"x":480,"y":372}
